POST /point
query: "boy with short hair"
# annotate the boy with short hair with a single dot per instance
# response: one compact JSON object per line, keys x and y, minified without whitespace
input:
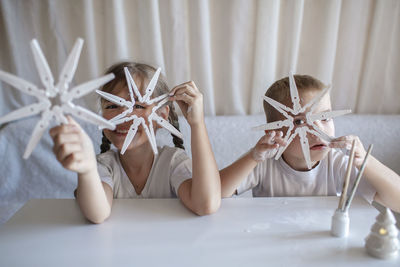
{"x":290,"y":175}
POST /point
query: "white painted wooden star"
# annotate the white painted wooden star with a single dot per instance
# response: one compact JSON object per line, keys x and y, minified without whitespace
{"x":307,"y":127}
{"x":54,"y":100}
{"x":137,"y":121}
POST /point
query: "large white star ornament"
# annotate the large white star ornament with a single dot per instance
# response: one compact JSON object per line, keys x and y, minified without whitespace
{"x":301,"y":130}
{"x":137,"y":121}
{"x":54,"y":100}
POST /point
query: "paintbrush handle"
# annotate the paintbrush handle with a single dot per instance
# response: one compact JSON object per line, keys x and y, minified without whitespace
{"x":357,"y":181}
{"x":346,"y":179}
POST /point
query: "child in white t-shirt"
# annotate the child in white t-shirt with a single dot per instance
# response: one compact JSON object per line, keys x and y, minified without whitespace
{"x":138,"y":172}
{"x":289,"y":175}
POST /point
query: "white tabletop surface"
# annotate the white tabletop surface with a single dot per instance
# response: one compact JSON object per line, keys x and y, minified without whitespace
{"x":162,"y":232}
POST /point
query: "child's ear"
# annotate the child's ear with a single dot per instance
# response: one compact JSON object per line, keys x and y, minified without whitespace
{"x":164,"y":112}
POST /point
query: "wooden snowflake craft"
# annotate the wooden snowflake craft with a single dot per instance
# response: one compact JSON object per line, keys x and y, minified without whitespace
{"x":307,"y":127}
{"x":126,"y":116}
{"x":55,"y":100}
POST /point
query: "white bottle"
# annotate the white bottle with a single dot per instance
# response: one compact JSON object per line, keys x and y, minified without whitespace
{"x":340,"y":223}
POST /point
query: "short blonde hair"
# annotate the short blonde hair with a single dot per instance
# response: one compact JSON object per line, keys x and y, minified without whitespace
{"x":280,"y":91}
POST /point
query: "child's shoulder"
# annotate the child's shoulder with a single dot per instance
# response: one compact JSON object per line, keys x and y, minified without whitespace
{"x":168,"y":151}
{"x":107,"y":157}
{"x":172,"y":156}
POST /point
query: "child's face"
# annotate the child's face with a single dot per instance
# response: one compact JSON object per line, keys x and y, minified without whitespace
{"x":293,"y":155}
{"x":110,"y":110}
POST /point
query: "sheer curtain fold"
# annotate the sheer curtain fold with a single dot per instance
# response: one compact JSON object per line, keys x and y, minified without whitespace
{"x":200,"y":52}
{"x":173,"y":15}
{"x":150,"y":33}
{"x":381,"y":84}
{"x":290,"y":25}
{"x":319,"y":38}
{"x":91,"y":39}
{"x":351,"y":50}
{"x":117,"y":18}
{"x":265,"y":51}
{"x":233,"y":50}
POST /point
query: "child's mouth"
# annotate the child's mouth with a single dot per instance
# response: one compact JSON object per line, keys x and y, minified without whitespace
{"x":121,"y":131}
{"x":318,"y":147}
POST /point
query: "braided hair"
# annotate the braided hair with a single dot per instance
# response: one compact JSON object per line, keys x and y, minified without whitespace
{"x":105,"y":144}
{"x":145,"y":72}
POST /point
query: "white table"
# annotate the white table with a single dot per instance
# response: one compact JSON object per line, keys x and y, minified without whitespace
{"x":162,"y":232}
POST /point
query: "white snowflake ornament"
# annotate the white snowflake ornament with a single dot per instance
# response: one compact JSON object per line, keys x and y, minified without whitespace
{"x":137,"y":121}
{"x":54,"y":100}
{"x":301,"y":130}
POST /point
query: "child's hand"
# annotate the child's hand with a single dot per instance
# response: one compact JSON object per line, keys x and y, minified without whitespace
{"x":190,"y":100}
{"x":268,"y":145}
{"x":73,"y":147}
{"x":345,"y":142}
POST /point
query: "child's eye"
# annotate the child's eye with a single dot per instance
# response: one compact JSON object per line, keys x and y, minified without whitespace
{"x":111,"y":106}
{"x":299,"y":122}
{"x":139,"y":106}
{"x":326,"y":120}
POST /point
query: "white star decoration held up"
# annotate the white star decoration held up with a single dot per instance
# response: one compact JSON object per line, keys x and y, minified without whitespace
{"x":55,"y":100}
{"x":137,"y":121}
{"x":301,"y":130}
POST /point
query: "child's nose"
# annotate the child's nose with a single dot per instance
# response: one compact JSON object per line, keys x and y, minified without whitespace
{"x":313,"y":137}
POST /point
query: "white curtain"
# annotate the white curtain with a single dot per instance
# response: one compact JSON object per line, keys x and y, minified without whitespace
{"x":233,"y":50}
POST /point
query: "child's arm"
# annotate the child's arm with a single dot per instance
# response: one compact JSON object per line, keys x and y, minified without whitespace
{"x":74,"y":150}
{"x":233,"y":175}
{"x":202,"y":193}
{"x":385,"y":181}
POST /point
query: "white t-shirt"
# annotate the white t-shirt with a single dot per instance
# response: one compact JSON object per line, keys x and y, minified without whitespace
{"x":170,"y":168}
{"x":275,"y":178}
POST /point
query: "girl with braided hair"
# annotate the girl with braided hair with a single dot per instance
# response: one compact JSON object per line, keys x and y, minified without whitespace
{"x":139,"y":173}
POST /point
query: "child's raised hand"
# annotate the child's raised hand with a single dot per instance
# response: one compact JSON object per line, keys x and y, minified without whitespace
{"x":73,"y":147}
{"x":190,"y":101}
{"x":345,"y":142}
{"x":268,"y":145}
